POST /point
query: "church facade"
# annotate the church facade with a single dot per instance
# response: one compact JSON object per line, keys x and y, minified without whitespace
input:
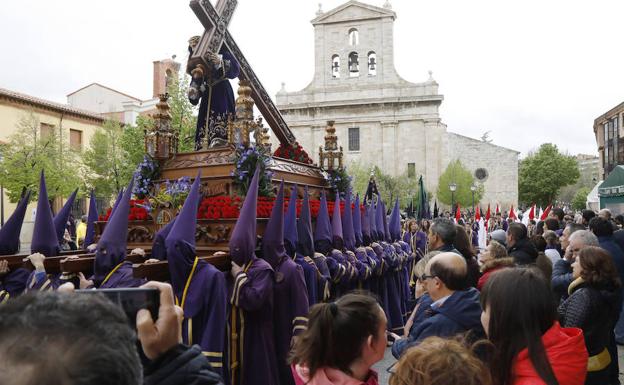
{"x":380,"y":118}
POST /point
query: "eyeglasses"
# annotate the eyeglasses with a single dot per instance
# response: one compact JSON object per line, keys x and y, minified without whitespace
{"x":424,"y":277}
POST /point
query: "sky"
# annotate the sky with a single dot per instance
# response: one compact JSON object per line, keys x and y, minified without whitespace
{"x":529,"y":72}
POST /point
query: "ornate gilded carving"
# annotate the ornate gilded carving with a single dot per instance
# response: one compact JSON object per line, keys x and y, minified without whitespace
{"x":213,"y":234}
{"x":295,"y":168}
{"x":140,"y":234}
{"x":202,"y":158}
{"x":161,"y":141}
{"x":244,"y":124}
{"x":327,"y":158}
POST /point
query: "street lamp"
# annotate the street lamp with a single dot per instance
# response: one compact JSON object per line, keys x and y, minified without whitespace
{"x":473,"y":188}
{"x":453,"y":188}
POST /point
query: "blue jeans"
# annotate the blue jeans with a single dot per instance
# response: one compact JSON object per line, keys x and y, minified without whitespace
{"x":619,"y":328}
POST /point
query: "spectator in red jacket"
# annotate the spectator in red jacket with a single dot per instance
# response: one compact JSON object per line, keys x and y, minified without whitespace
{"x":530,"y":347}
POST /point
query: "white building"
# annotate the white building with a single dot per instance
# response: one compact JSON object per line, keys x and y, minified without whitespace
{"x":382,"y":119}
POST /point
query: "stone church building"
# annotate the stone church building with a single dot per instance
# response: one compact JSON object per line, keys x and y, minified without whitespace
{"x":382,"y":119}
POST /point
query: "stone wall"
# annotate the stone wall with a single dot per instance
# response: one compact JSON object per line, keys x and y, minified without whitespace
{"x":501,"y":164}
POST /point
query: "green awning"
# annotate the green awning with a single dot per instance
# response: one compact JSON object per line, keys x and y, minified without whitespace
{"x":614,"y":184}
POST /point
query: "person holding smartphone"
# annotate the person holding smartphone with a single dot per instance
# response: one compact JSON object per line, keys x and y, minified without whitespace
{"x":97,"y":343}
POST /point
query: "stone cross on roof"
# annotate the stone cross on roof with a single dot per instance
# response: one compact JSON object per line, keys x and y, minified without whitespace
{"x":215,"y":22}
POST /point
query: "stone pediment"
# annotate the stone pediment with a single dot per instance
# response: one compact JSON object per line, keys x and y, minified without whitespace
{"x":353,"y":10}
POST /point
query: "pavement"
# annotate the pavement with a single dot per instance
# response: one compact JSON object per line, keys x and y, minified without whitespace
{"x":388,"y":360}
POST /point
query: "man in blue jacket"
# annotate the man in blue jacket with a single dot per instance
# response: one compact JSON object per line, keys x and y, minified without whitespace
{"x":452,"y":308}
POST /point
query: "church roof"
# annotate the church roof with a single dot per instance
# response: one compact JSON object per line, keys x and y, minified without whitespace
{"x":353,"y":10}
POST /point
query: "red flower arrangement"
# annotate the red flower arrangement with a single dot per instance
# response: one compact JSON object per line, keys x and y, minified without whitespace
{"x":225,"y":207}
{"x":293,"y":152}
{"x":138,"y":211}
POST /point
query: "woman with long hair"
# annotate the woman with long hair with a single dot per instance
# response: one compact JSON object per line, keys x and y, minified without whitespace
{"x":342,"y":342}
{"x":463,"y":244}
{"x":530,"y":347}
{"x":594,"y":305}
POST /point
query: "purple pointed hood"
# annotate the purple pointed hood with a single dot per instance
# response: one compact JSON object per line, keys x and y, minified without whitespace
{"x":116,"y":202}
{"x":379,"y":222}
{"x":44,"y":239}
{"x":273,"y":250}
{"x":348,"y":234}
{"x":323,"y":229}
{"x":366,"y":227}
{"x":395,"y":222}
{"x":305,"y":243}
{"x":357,"y":222}
{"x":243,"y":239}
{"x":60,"y":220}
{"x":159,"y":250}
{"x":111,"y":248}
{"x":180,"y":242}
{"x":91,"y":219}
{"x":386,"y":228}
{"x":10,"y":232}
{"x":337,"y":236}
{"x":372,"y":219}
{"x":290,"y":223}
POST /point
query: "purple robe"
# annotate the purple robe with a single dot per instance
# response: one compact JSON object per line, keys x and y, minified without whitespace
{"x":393,"y":285}
{"x":253,"y":350}
{"x":291,"y":312}
{"x":205,"y":311}
{"x":218,"y":90}
{"x":41,"y":281}
{"x":122,"y":277}
{"x":13,"y":284}
{"x":324,"y":282}
{"x":311,"y":276}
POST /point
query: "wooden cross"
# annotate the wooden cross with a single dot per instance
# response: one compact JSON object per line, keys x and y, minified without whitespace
{"x":215,"y":22}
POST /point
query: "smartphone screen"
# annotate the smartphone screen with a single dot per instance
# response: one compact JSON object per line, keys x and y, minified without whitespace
{"x":131,"y":300}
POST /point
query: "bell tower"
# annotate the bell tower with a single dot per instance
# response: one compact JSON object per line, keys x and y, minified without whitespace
{"x":354,"y":46}
{"x":164,"y":71}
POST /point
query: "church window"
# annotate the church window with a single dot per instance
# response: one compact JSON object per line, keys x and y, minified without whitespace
{"x":354,"y":38}
{"x":481,"y":174}
{"x":335,"y":66}
{"x":354,"y":139}
{"x":372,"y":63}
{"x":354,"y":65}
{"x":411,"y":170}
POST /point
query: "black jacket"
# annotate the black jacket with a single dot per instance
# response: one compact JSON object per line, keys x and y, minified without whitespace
{"x":595,"y":309}
{"x":181,"y":366}
{"x":523,"y":252}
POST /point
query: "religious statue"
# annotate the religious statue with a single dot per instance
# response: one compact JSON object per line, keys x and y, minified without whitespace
{"x":212,"y":86}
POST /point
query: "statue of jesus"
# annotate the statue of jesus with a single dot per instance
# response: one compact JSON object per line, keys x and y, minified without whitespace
{"x":216,"y":94}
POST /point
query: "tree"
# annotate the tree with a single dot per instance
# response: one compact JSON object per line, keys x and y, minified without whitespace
{"x":543,"y":173}
{"x":108,"y":166}
{"x":579,"y":202}
{"x":182,"y":117}
{"x":28,"y":152}
{"x":456,"y":173}
{"x":390,"y":187}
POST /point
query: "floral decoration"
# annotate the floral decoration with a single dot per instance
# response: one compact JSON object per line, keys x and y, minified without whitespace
{"x":172,"y":194}
{"x":147,"y":171}
{"x":247,"y":159}
{"x":293,"y":152}
{"x":338,"y":180}
{"x":139,"y":211}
